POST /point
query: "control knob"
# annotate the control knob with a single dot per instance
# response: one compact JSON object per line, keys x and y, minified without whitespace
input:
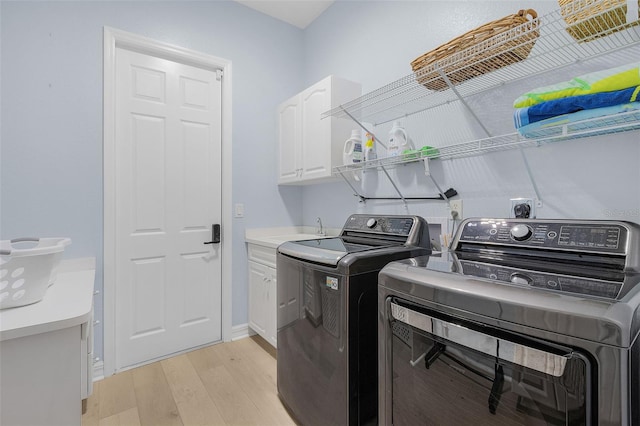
{"x":371,"y":223}
{"x":520,"y":232}
{"x":522,"y":279}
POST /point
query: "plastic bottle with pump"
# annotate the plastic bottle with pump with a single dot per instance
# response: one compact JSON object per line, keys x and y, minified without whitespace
{"x":352,"y":152}
{"x":369,"y":148}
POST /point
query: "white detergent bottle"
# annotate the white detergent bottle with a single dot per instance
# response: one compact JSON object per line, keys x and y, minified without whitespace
{"x":352,"y":153}
{"x":398,"y":140}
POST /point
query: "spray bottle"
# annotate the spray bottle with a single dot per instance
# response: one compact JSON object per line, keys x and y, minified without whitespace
{"x":369,"y":148}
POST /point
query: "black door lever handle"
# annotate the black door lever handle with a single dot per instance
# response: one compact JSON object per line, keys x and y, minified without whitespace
{"x":215,"y":234}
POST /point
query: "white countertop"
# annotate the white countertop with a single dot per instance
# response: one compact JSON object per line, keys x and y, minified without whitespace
{"x":273,"y":237}
{"x":67,"y":303}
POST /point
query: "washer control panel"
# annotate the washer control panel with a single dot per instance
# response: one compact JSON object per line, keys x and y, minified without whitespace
{"x":380,"y":224}
{"x":570,"y":235}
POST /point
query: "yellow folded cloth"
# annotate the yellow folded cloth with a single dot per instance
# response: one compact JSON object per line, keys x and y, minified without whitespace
{"x":596,"y":82}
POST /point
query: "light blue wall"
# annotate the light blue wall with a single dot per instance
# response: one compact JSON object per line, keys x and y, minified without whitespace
{"x":51,"y":170}
{"x":374,"y":43}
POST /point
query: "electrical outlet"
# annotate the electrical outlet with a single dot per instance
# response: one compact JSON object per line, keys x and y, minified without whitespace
{"x":456,"y":208}
{"x":524,"y":208}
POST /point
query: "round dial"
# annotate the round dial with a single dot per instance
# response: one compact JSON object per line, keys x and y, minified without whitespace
{"x":522,"y":279}
{"x":371,"y":222}
{"x":520,"y":232}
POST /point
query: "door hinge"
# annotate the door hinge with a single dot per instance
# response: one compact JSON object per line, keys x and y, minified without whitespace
{"x":219,"y":75}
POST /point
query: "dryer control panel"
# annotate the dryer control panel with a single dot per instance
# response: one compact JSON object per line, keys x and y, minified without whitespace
{"x":606,"y":237}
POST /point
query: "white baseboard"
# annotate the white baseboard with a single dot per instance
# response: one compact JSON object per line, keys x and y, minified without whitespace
{"x":241,"y":331}
{"x":98,"y":371}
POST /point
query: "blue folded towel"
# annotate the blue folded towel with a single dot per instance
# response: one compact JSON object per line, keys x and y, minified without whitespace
{"x":552,"y":125}
{"x":553,"y":108}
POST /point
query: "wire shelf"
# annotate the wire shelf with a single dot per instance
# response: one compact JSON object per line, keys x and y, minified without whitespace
{"x":621,"y":122}
{"x":555,"y":47}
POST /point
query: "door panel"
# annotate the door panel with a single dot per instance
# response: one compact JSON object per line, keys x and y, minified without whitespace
{"x":289,"y":140}
{"x":257,"y":298}
{"x":147,"y":278}
{"x":196,"y":151}
{"x":148,"y":137}
{"x":168,"y":195}
{"x":316,"y":146}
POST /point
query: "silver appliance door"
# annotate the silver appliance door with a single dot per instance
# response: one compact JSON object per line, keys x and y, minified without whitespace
{"x":450,"y":371}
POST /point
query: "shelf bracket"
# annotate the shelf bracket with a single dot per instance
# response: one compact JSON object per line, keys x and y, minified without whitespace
{"x":427,"y":172}
{"x":355,"y":191}
{"x":461,"y":99}
{"x":363,"y":199}
{"x":404,"y":201}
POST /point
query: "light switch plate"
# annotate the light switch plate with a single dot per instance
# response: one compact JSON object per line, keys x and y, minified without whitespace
{"x":239,"y":210}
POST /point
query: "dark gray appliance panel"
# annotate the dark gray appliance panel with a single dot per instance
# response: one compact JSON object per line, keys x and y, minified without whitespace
{"x":448,"y":382}
{"x":311,"y":343}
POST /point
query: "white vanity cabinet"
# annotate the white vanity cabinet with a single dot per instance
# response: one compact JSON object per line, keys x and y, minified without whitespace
{"x":46,"y":352}
{"x":262,"y":292}
{"x":309,"y":145}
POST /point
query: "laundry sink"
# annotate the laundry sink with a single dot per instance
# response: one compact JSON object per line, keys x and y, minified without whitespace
{"x":294,"y":237}
{"x":276,"y":240}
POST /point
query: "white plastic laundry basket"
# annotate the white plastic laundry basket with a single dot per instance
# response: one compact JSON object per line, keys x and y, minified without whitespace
{"x":27,"y":267}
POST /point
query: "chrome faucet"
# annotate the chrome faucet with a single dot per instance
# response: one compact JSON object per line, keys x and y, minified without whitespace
{"x":319,"y":231}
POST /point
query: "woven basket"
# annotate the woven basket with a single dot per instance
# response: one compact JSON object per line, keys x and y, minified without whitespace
{"x":487,"y":48}
{"x":589,"y":19}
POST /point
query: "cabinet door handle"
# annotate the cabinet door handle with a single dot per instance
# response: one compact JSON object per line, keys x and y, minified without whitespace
{"x":215,"y":234}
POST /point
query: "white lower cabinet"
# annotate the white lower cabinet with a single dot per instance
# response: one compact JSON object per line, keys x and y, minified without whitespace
{"x":262,"y":292}
{"x":46,"y":350}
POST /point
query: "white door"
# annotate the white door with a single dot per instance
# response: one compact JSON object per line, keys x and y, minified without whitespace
{"x":168,"y":195}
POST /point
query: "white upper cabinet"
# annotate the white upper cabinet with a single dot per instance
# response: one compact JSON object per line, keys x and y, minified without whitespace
{"x":288,"y":137}
{"x":310,"y":146}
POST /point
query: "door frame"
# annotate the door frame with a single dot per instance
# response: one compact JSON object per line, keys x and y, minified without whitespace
{"x":113,"y":39}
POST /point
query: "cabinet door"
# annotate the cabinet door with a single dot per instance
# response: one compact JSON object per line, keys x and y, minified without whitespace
{"x":272,"y":327}
{"x":289,"y":136}
{"x":316,"y":132}
{"x":258,"y":312}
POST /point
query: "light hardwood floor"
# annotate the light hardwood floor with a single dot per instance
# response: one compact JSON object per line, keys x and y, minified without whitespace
{"x":226,"y":384}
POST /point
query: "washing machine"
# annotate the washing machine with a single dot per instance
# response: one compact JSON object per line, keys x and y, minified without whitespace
{"x":522,"y":322}
{"x":327,"y":316}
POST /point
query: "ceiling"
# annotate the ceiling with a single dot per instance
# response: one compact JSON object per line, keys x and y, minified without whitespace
{"x":296,"y":12}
